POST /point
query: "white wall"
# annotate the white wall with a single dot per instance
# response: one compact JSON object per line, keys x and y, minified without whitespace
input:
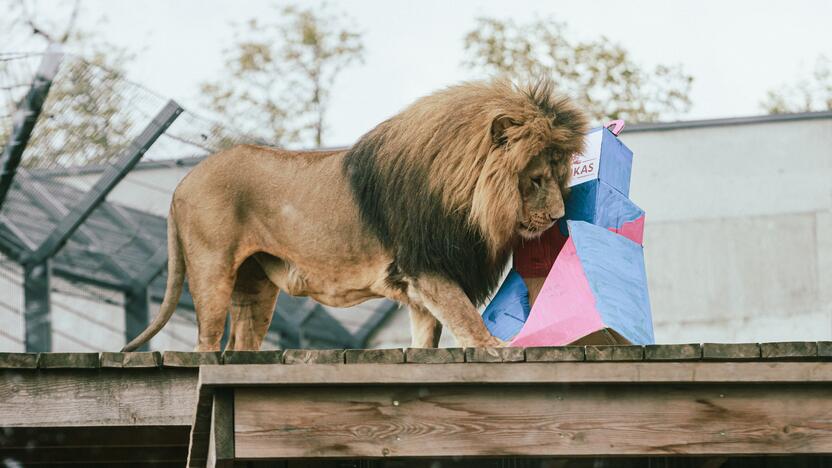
{"x":738,"y":238}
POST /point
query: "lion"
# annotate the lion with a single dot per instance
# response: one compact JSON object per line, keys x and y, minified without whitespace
{"x":424,"y":210}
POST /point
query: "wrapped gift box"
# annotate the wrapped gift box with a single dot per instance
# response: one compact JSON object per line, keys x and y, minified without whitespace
{"x":509,"y":310}
{"x":600,"y":186}
{"x":597,"y":285}
{"x":605,"y":158}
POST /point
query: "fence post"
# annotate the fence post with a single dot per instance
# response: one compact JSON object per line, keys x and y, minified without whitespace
{"x":36,"y":313}
{"x":26,"y":116}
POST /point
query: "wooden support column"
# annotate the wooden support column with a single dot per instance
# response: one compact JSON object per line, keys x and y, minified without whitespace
{"x":38,"y":335}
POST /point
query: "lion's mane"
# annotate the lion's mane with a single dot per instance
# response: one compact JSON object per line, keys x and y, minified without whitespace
{"x":438,"y":183}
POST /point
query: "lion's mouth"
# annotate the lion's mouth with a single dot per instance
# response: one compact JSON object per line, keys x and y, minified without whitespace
{"x":531,"y":231}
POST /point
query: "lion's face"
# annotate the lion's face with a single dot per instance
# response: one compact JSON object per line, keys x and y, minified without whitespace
{"x":541,"y":196}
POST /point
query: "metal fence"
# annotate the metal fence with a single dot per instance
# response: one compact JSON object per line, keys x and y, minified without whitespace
{"x":71,"y":130}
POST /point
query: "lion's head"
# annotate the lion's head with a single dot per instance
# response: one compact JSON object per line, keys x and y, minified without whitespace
{"x":452,"y":181}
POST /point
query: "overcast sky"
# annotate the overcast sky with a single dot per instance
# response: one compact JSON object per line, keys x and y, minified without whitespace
{"x":735,"y":50}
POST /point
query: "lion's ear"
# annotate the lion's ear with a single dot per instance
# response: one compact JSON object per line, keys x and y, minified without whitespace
{"x":498,"y":129}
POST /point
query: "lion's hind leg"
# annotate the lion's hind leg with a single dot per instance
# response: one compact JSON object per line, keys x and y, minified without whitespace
{"x":252,"y":307}
{"x":425,"y":329}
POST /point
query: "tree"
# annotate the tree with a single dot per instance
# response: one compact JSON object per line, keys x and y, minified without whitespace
{"x":84,"y":119}
{"x":810,"y":94}
{"x":600,"y":74}
{"x":281,"y":71}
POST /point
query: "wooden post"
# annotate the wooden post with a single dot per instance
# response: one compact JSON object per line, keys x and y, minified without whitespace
{"x":221,"y":442}
{"x":37,"y":314}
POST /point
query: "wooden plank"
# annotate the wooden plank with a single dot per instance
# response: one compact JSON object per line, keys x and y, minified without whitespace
{"x":252,"y":357}
{"x":731,"y":351}
{"x":188,"y":359}
{"x":313,"y":356}
{"x":789,"y":350}
{"x":555,"y":353}
{"x":68,"y":361}
{"x":221,"y":445}
{"x":532,"y":420}
{"x":434,"y":355}
{"x":18,"y":360}
{"x":495,"y":354}
{"x":614,"y":353}
{"x":374,"y":356}
{"x":108,"y":397}
{"x":825,"y":349}
{"x":526,"y":372}
{"x":131,"y":359}
{"x":673,"y":352}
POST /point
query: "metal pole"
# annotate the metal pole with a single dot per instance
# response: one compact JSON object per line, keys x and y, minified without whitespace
{"x":26,"y":116}
{"x":106,"y":183}
{"x":36,"y":312}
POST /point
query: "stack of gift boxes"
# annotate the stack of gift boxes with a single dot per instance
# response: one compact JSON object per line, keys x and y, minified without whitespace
{"x":590,"y":264}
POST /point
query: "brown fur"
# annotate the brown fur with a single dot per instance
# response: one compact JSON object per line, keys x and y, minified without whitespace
{"x":423,"y":210}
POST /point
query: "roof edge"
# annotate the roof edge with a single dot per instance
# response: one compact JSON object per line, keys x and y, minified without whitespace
{"x":729,"y":121}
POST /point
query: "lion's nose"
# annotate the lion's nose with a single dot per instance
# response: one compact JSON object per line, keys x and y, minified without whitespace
{"x":555,"y":216}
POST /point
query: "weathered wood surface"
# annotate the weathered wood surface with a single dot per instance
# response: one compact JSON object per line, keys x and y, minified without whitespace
{"x":527,"y":372}
{"x":560,"y":420}
{"x":790,"y":350}
{"x":105,"y":397}
{"x":555,"y":353}
{"x":186,"y":359}
{"x":731,"y":351}
{"x":252,"y":357}
{"x":68,"y":361}
{"x":495,"y":354}
{"x":675,"y":352}
{"x":434,"y":355}
{"x":18,"y":360}
{"x":313,"y":356}
{"x":614,"y":353}
{"x":221,"y":442}
{"x":131,"y":359}
{"x":374,"y":356}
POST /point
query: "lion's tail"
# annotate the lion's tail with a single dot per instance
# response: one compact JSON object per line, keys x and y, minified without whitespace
{"x":173,"y":290}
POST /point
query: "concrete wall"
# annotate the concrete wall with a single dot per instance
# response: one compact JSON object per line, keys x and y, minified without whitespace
{"x":738,"y":239}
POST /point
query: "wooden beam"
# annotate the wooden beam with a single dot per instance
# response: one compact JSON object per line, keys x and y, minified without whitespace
{"x":97,"y":397}
{"x":531,"y":420}
{"x":221,"y":442}
{"x":107,"y":182}
{"x":517,"y":373}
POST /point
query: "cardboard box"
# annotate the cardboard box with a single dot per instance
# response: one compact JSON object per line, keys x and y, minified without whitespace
{"x":600,"y":187}
{"x":597,"y":287}
{"x":509,"y":310}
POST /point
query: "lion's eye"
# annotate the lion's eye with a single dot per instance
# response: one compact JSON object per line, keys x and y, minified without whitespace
{"x":537,"y":181}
